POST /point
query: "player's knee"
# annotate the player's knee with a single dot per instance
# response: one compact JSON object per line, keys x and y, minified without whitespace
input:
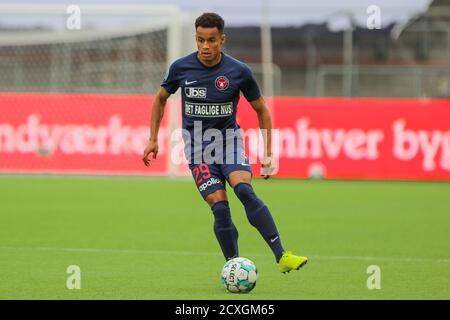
{"x":216,"y":196}
{"x":254,"y":206}
{"x":245,"y":193}
{"x":221,"y":212}
{"x":221,"y":207}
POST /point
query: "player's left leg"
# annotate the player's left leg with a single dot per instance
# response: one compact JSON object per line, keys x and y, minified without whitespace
{"x":260,"y":217}
{"x":257,"y":212}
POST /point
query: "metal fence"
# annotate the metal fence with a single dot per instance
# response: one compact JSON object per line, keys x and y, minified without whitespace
{"x":133,"y":64}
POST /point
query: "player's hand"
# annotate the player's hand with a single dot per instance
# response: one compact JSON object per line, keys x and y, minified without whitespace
{"x":267,"y":167}
{"x":152,"y":148}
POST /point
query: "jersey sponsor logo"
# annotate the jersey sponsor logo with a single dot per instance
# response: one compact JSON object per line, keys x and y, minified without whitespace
{"x":189,"y":82}
{"x":222,"y":83}
{"x":192,"y":92}
{"x":208,"y":109}
{"x":209,"y":183}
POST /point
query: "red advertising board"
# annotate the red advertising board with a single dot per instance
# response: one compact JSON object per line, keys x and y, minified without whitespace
{"x":70,"y":133}
{"x":333,"y":137}
{"x":363,"y":138}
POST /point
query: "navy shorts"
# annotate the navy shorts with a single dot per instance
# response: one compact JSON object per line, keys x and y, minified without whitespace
{"x":212,"y":177}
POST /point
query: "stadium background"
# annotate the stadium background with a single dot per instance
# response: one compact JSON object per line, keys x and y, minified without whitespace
{"x":352,"y":104}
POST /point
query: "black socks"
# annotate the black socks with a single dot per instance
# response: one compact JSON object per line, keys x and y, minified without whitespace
{"x":225,"y":230}
{"x":259,"y":216}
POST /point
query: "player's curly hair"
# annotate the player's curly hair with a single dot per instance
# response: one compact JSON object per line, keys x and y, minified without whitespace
{"x":210,"y":20}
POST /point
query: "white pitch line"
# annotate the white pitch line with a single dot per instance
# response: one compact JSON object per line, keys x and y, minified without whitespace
{"x":199,"y":253}
{"x":393,"y":259}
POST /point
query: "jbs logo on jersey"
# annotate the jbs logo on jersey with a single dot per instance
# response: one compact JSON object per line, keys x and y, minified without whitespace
{"x":191,"y":92}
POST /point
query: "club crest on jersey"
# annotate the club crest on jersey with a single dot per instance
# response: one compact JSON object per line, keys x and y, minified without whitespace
{"x":222,"y":83}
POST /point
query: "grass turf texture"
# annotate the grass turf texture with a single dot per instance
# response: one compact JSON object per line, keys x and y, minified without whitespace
{"x":153,"y":239}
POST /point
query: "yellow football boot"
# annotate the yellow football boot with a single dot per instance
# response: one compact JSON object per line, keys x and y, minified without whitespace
{"x":289,"y":262}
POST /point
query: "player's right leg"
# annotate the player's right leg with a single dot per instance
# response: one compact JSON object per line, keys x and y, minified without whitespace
{"x":211,"y":185}
{"x":224,"y":228}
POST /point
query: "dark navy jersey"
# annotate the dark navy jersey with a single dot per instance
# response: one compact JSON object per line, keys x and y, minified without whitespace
{"x":211,"y":94}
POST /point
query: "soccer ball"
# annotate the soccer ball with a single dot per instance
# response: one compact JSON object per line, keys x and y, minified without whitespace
{"x":239,"y":275}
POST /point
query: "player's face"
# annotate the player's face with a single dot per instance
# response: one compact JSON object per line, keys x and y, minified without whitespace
{"x":209,"y":42}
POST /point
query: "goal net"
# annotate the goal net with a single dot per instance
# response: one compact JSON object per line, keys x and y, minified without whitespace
{"x":76,"y":85}
{"x":89,"y":48}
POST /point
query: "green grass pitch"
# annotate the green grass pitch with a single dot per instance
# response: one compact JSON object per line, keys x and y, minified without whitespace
{"x":152,"y":238}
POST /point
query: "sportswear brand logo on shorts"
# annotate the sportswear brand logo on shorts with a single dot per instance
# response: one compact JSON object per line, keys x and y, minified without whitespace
{"x":209,"y":183}
{"x":192,"y":92}
{"x":222,"y":83}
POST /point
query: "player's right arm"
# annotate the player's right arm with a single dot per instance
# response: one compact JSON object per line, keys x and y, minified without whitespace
{"x":157,"y":114}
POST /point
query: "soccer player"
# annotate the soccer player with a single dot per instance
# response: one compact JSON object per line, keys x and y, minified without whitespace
{"x":211,"y":82}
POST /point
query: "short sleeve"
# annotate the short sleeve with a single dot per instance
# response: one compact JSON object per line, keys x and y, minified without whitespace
{"x":170,"y":82}
{"x":249,"y":86}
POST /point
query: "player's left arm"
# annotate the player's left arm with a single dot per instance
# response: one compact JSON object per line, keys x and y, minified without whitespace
{"x":265,"y":124}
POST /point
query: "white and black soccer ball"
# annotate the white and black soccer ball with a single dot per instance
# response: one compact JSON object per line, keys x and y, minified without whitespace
{"x":239,"y":275}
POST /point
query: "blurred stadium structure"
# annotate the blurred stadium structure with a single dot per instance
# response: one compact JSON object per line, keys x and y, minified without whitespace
{"x":398,"y":60}
{"x":127,"y":59}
